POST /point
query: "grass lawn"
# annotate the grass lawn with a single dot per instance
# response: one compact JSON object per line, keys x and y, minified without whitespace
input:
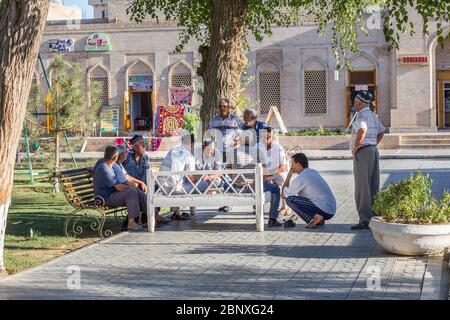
{"x":34,"y":231}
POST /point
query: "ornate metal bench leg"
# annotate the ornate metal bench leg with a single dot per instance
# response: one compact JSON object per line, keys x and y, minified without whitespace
{"x":99,"y":224}
{"x":74,"y":229}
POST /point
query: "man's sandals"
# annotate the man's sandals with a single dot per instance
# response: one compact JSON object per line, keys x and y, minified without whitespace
{"x":317,"y":221}
{"x":181,"y":216}
{"x":162,"y":221}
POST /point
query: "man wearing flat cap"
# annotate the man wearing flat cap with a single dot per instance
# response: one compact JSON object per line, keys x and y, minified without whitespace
{"x":137,"y":161}
{"x":367,"y":132}
{"x":136,"y":165}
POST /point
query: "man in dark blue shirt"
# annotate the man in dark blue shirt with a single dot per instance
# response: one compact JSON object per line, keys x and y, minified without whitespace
{"x":251,"y":123}
{"x":137,"y":161}
{"x":115,"y":193}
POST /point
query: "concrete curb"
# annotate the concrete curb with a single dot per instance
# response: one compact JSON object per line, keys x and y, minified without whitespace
{"x":386,"y":157}
{"x":311,"y":157}
{"x":76,"y":251}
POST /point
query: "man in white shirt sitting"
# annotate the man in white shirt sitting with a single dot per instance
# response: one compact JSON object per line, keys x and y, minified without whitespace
{"x":181,"y":159}
{"x":275,"y":157}
{"x":245,"y":157}
{"x":208,"y":156}
{"x":308,"y":195}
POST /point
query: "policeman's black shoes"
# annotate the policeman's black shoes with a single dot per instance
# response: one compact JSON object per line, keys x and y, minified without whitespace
{"x":361,"y":226}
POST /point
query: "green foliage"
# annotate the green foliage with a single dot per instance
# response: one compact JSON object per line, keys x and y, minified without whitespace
{"x":34,"y":129}
{"x":396,"y":21}
{"x":77,"y":110}
{"x":74,"y":108}
{"x":191,"y":122}
{"x":316,"y":132}
{"x":343,"y":18}
{"x":243,"y":102}
{"x":410,"y":201}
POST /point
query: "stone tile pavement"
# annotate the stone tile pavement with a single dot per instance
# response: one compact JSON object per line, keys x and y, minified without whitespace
{"x":221,"y":256}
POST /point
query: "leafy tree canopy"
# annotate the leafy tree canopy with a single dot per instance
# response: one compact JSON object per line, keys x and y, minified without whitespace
{"x":344,"y":17}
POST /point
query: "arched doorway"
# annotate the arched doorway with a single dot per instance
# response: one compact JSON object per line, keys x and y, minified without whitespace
{"x":139,"y":109}
{"x":442,"y":65}
{"x":363,"y":76}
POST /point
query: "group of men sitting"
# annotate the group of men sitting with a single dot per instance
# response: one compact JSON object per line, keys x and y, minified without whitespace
{"x":230,"y":142}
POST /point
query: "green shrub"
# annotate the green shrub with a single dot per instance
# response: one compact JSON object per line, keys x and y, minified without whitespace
{"x":410,"y":201}
{"x":191,"y":122}
{"x":317,"y":132}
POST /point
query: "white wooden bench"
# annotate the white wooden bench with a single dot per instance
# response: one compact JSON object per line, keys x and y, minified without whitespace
{"x":213,"y":196}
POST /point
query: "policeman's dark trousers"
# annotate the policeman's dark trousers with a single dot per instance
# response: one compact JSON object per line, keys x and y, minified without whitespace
{"x":366,"y":172}
{"x":134,"y":199}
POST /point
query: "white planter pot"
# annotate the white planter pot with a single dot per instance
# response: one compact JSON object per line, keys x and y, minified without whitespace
{"x":411,"y":239}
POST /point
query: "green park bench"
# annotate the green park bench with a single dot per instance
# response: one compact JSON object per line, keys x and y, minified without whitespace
{"x":77,"y":186}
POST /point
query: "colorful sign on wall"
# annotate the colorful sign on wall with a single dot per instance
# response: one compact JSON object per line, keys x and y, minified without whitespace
{"x":60,"y":45}
{"x":109,"y":120}
{"x":140,"y":83}
{"x":98,"y":42}
{"x":418,"y":59}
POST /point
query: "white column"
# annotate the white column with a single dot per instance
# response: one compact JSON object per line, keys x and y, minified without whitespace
{"x":150,"y":206}
{"x":259,"y":189}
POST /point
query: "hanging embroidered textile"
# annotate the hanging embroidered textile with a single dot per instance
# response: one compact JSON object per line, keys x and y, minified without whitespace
{"x":170,"y":119}
{"x":180,"y":96}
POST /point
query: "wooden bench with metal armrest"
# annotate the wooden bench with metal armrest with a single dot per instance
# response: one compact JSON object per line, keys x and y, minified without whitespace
{"x":77,"y":186}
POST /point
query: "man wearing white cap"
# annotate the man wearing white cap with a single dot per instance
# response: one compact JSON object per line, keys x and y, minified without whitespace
{"x":367,"y":132}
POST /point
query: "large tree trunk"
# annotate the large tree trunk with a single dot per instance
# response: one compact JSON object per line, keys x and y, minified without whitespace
{"x":224,"y":60}
{"x":21,"y":26}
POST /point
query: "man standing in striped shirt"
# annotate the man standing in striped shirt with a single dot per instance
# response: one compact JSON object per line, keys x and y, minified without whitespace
{"x":227,"y":129}
{"x":367,"y":132}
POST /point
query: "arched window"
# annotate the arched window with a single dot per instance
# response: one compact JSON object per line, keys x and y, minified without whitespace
{"x":315,"y":88}
{"x":269,"y":91}
{"x":181,"y":76}
{"x":68,"y":68}
{"x":100,"y":76}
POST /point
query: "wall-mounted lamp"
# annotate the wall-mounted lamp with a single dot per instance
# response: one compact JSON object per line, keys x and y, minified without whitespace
{"x":336,"y":75}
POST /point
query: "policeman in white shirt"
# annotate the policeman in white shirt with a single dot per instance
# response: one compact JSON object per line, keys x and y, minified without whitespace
{"x":367,"y":132}
{"x":181,"y":159}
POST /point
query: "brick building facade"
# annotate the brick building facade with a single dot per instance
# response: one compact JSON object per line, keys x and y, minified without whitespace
{"x":294,"y":70}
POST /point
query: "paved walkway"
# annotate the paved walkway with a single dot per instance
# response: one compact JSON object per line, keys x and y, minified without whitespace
{"x":221,"y":256}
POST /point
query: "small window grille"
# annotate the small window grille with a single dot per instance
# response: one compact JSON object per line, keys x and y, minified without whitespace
{"x":181,"y":80}
{"x":269,"y":91}
{"x":315,"y":88}
{"x":104,"y":89}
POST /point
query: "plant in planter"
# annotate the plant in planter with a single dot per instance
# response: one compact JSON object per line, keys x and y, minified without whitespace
{"x":411,"y":221}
